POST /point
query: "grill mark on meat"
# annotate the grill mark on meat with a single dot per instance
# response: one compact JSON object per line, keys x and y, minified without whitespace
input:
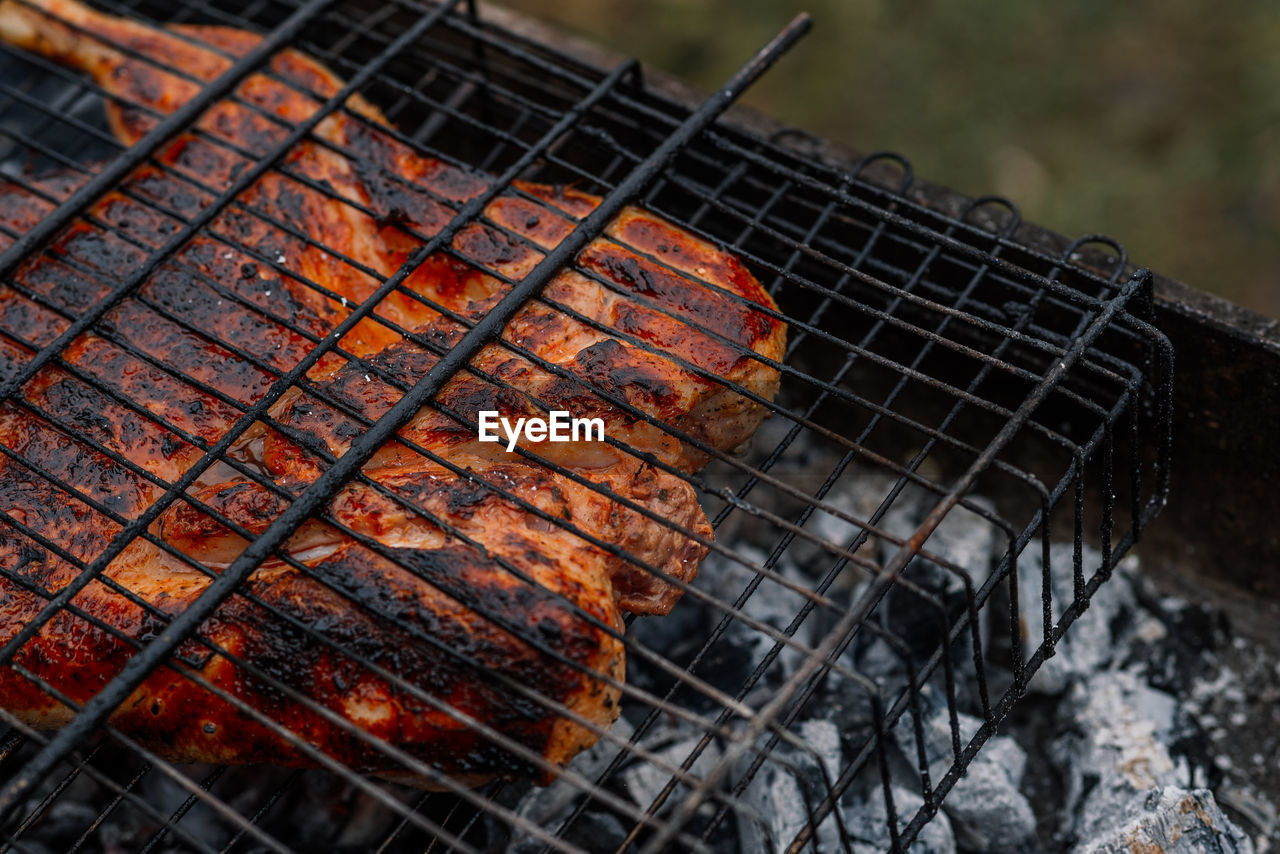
{"x":28,"y":321}
{"x":601,"y":364}
{"x":678,"y":295}
{"x":470,"y":597}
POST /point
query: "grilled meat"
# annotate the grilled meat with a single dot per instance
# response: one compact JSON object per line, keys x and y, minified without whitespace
{"x":489,"y":583}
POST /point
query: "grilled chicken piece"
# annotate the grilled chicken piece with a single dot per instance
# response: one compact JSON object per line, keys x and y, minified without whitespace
{"x":334,"y":244}
{"x":451,"y":566}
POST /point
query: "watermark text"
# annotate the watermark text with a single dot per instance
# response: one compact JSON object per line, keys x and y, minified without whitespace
{"x":558,"y":427}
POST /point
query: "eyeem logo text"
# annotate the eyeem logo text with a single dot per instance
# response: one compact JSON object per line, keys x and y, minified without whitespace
{"x":560,"y":427}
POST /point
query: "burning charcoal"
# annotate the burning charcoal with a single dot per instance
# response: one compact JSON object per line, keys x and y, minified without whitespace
{"x":1123,"y":787}
{"x":1110,"y":753}
{"x":986,"y":808}
{"x":30,"y":847}
{"x":676,"y":636}
{"x":847,"y":702}
{"x":541,"y":805}
{"x":366,"y":822}
{"x":936,"y":733}
{"x":1171,"y":820}
{"x":65,"y":820}
{"x":866,"y":822}
{"x":787,"y":787}
{"x":723,"y":837}
{"x":1089,"y":645}
{"x":351,"y":821}
{"x":735,"y":656}
{"x":591,"y":831}
{"x":596,"y":831}
{"x":128,"y":828}
{"x":964,"y":539}
{"x":858,"y":497}
{"x":644,"y":780}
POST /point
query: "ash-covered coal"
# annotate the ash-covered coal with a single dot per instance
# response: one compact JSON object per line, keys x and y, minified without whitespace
{"x":986,"y":806}
{"x":1118,"y":739}
{"x":1126,"y":791}
{"x":1127,"y":746}
{"x":1090,"y":644}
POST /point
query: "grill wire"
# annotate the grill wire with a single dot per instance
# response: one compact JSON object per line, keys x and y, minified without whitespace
{"x":929,"y":353}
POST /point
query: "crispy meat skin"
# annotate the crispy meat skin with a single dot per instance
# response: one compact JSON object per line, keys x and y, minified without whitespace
{"x":511,"y":573}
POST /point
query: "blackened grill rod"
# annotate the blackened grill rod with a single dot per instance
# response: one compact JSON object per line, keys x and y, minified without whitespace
{"x":1086,"y":334}
{"x":12,"y":792}
{"x":1046,"y":502}
{"x":137,"y":154}
{"x":52,"y":350}
{"x":75,"y":205}
{"x":819,"y":494}
{"x":834,"y":641}
{"x":95,"y":712}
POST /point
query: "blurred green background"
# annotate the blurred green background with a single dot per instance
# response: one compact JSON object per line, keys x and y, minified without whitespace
{"x":1154,"y":121}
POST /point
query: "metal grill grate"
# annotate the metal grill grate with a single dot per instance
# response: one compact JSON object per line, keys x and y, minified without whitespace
{"x":941,"y":381}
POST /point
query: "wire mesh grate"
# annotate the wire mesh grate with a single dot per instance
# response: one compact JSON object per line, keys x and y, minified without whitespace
{"x":879,"y":582}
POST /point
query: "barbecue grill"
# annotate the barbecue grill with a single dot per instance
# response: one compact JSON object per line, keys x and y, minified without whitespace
{"x":929,"y":357}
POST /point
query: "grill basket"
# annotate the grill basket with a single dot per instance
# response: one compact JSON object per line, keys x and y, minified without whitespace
{"x":955,"y":408}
